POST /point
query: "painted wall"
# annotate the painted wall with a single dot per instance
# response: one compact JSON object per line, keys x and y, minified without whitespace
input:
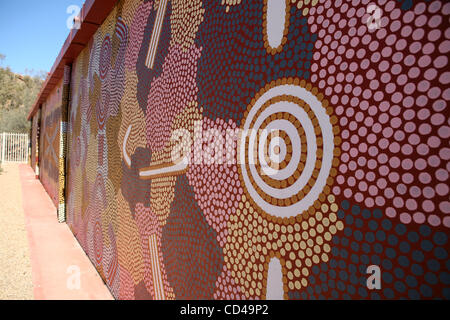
{"x":34,"y":140}
{"x":356,"y":174}
{"x":49,"y":143}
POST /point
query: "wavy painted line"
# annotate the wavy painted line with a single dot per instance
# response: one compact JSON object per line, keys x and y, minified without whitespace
{"x":156,"y":34}
{"x":168,"y":169}
{"x":126,"y":157}
{"x":156,"y":270}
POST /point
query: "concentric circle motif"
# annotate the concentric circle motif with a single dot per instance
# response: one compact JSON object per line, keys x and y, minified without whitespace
{"x":98,"y":242}
{"x":101,"y":108}
{"x":287,"y":148}
{"x":105,"y":57}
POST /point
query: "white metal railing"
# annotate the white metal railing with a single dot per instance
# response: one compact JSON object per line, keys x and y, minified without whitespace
{"x":14,"y":147}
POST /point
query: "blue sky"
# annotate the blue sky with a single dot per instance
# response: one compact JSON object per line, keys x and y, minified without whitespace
{"x":32,"y":32}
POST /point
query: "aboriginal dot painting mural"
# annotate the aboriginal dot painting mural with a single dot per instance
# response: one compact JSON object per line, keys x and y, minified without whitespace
{"x":49,"y":141}
{"x":262,"y":149}
{"x":34,"y":139}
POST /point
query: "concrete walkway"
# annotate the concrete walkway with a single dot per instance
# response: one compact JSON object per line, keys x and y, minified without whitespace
{"x":59,"y":267}
{"x":15,"y":265}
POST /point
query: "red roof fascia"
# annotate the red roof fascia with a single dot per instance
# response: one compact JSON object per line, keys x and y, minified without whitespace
{"x":92,"y":15}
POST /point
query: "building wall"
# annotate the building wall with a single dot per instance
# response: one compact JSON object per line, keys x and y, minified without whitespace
{"x":361,"y":115}
{"x":49,"y":143}
{"x":34,"y":140}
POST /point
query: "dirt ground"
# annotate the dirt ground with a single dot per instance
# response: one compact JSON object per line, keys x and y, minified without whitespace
{"x":15,"y":267}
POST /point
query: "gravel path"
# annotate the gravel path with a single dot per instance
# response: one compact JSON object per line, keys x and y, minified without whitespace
{"x":15,"y":267}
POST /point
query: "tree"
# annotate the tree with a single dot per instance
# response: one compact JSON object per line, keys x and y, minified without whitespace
{"x":17,"y":95}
